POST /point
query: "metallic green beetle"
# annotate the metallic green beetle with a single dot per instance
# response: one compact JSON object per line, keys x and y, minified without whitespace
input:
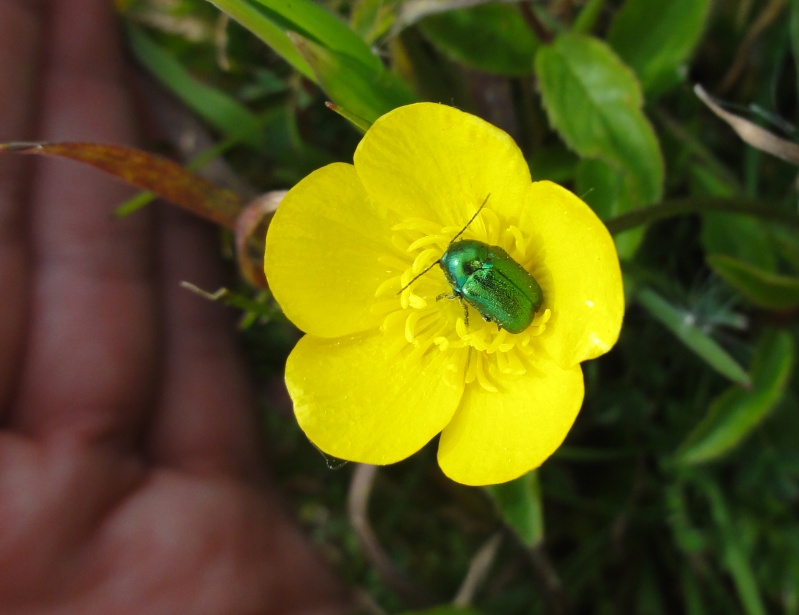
{"x":488,"y":279}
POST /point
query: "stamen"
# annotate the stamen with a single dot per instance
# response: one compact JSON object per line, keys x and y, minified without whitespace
{"x":387,"y":286}
{"x":479,"y":352}
{"x":471,"y":370}
{"x":410,"y":325}
{"x":423,"y":242}
{"x":442,"y":342}
{"x":416,"y":302}
{"x":383,"y":306}
{"x":543,"y":318}
{"x":498,"y":341}
{"x":518,"y":243}
{"x":482,"y":377}
{"x":418,"y":225}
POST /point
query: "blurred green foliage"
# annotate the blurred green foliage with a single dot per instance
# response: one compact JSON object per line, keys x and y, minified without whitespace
{"x":678,"y":489}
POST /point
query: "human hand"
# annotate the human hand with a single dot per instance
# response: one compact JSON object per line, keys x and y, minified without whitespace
{"x":130,"y":472}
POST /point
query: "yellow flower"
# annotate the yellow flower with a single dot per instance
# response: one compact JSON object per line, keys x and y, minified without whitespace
{"x":379,"y":372}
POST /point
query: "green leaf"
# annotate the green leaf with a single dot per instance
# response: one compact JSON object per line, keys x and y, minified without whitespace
{"x":605,"y":191}
{"x":602,"y":187}
{"x":271,"y":20}
{"x":371,"y":19}
{"x":555,"y":163}
{"x":323,"y":48}
{"x":765,"y":289}
{"x":656,"y":39}
{"x":250,"y":15}
{"x":594,"y":101}
{"x":787,"y":241}
{"x":683,"y":326}
{"x":352,"y":85}
{"x":519,"y":505}
{"x":491,"y":37}
{"x":359,"y":123}
{"x":737,"y":411}
{"x":316,"y":24}
{"x":224,"y":113}
{"x":735,"y":557}
{"x":740,"y":237}
{"x":588,"y":16}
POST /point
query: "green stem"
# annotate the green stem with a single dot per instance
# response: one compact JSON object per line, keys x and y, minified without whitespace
{"x":588,"y":16}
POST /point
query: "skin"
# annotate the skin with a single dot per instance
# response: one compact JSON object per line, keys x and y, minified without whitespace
{"x":131,"y":476}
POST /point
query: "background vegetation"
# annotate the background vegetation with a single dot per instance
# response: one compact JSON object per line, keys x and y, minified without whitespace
{"x":678,"y":489}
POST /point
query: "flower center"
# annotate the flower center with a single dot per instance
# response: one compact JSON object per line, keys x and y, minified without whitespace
{"x":429,"y":317}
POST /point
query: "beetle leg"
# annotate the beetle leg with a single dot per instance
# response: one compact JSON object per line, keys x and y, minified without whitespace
{"x":465,"y":312}
{"x":459,"y":297}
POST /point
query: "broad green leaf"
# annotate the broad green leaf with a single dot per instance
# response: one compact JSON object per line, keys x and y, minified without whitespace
{"x":763,"y":288}
{"x":519,"y":505}
{"x":594,"y":101}
{"x":657,"y":38}
{"x":352,"y":85}
{"x":682,"y":325}
{"x":491,"y":37}
{"x":604,"y":189}
{"x":221,"y":111}
{"x":555,"y":163}
{"x":737,"y":411}
{"x":740,"y":237}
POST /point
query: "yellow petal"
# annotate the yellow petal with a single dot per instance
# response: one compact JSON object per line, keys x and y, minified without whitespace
{"x":323,"y":253}
{"x":355,"y":399}
{"x":438,"y":163}
{"x":579,"y":274}
{"x":496,"y":437}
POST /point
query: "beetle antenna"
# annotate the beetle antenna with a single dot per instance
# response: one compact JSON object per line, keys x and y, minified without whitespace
{"x":419,"y":275}
{"x":479,"y":209}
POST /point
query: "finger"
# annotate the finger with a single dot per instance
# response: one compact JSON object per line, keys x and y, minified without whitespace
{"x":20,"y":31}
{"x":88,"y":369}
{"x":206,"y":420}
